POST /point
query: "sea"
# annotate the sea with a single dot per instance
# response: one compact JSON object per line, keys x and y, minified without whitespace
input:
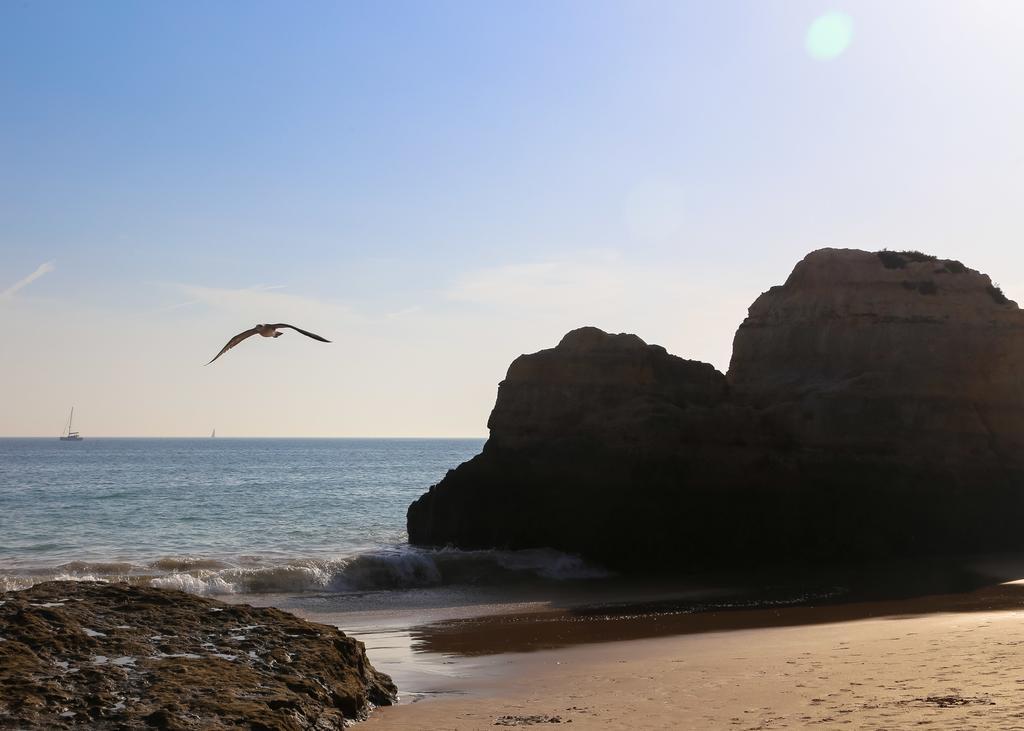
{"x":316,"y":527}
{"x":223,"y":516}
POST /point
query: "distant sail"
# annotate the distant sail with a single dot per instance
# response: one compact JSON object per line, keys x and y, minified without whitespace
{"x":68,"y":435}
{"x":213,"y":434}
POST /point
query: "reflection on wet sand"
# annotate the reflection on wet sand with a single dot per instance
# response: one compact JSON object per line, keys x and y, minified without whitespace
{"x":533,"y":631}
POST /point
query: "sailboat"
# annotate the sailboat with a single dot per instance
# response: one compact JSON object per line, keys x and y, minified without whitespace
{"x":71,"y":436}
{"x":213,"y":434}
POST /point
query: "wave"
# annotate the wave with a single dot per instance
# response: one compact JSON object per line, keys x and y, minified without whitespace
{"x":187,"y":563}
{"x":394,"y":568}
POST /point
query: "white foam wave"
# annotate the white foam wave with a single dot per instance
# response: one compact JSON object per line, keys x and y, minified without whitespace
{"x":399,"y":567}
{"x":388,"y":570}
{"x":205,"y":585}
{"x":17,"y":582}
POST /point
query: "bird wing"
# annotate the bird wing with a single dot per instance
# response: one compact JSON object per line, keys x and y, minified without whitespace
{"x":304,"y":332}
{"x":234,"y":341}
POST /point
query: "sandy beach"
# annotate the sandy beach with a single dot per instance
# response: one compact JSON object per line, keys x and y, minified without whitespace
{"x":951,"y":661}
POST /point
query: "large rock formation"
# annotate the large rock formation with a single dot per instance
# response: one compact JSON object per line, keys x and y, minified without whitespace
{"x":874,"y":406}
{"x":887,"y":352}
{"x":98,"y":656}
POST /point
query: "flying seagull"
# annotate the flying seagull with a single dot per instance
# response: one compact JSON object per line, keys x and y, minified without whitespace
{"x":267,"y":331}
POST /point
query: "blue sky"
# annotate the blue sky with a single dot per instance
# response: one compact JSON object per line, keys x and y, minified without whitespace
{"x":445,"y":185}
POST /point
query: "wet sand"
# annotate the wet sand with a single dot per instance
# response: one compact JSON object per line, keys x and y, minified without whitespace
{"x":613,"y":655}
{"x":953,"y":661}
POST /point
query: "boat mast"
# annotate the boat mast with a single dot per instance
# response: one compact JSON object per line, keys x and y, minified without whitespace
{"x":71,"y":417}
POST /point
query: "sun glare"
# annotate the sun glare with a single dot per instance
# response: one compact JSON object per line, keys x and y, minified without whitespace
{"x":829,"y":36}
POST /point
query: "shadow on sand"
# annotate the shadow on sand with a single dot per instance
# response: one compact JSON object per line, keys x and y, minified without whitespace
{"x":768,"y":599}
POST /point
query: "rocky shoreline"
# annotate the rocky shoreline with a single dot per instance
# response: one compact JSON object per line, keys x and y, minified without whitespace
{"x":101,"y":655}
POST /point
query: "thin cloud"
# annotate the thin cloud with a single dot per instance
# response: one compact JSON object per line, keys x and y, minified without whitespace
{"x":263,"y":301}
{"x":44,"y":268}
{"x":171,"y":308}
{"x":189,"y":303}
{"x":542,"y":284}
{"x":692,"y":317}
{"x":404,"y":312}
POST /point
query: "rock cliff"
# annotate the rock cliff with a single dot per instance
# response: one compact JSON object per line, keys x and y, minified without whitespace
{"x":874,"y":406}
{"x":887,"y":352}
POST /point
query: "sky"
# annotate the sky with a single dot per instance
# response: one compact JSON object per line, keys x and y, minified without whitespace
{"x":438,"y":187}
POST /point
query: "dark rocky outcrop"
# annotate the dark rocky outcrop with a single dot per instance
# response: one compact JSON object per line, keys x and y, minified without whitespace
{"x":874,"y":406}
{"x":95,"y":655}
